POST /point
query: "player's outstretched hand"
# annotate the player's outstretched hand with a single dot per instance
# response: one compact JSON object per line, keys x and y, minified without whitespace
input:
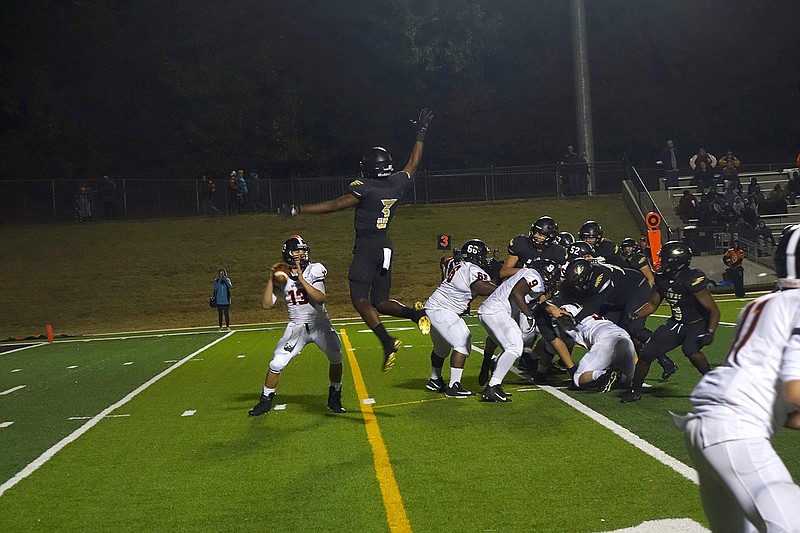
{"x":425,"y":117}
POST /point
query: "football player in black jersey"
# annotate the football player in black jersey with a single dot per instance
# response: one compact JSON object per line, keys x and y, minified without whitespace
{"x":695,"y":315}
{"x":632,"y":257}
{"x":376,"y":197}
{"x":540,"y":243}
{"x":592,"y":232}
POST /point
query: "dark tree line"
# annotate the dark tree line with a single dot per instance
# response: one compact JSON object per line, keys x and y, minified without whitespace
{"x":182,"y":88}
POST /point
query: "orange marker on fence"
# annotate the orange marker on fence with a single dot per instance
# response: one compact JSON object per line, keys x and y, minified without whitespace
{"x":653,"y":222}
{"x":49,"y":329}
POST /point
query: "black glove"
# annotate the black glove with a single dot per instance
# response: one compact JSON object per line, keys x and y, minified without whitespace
{"x":566,"y":322}
{"x":425,"y":117}
{"x":287,"y":211}
{"x":631,"y":317}
{"x":704,"y":339}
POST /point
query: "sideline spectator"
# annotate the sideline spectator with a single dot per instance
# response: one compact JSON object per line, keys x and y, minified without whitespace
{"x":570,"y":173}
{"x":793,"y":187}
{"x":702,"y":156}
{"x":734,"y":259}
{"x":222,"y":295}
{"x":687,"y":207}
{"x":83,"y":202}
{"x":209,"y":192}
{"x":242,"y":192}
{"x":233,"y":194}
{"x":669,"y":161}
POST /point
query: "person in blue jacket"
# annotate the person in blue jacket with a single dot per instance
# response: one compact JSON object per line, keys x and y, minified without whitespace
{"x":222,"y":295}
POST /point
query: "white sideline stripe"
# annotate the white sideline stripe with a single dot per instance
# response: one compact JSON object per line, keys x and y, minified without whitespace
{"x":47,"y":455}
{"x":13,"y":389}
{"x":626,"y":435}
{"x":20,"y":349}
{"x":5,"y":424}
{"x":89,"y":417}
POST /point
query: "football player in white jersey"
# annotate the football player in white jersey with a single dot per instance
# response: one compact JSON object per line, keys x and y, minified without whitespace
{"x":303,"y":290}
{"x":497,"y":316}
{"x":740,"y":405}
{"x":610,"y":356}
{"x":463,"y":282}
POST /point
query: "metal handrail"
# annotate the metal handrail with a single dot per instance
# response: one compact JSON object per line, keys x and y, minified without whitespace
{"x":652,"y":201}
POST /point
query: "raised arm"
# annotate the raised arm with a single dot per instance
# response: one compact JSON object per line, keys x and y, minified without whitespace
{"x":425,"y":117}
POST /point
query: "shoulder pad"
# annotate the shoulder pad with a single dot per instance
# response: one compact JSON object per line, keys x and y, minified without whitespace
{"x":694,"y":279}
{"x":356,"y":183}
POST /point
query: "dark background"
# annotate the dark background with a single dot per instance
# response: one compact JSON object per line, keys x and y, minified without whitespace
{"x":176,"y":89}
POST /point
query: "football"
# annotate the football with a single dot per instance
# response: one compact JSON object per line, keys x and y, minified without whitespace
{"x":281,"y":273}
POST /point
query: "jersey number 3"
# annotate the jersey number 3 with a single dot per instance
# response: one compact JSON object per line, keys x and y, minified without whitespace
{"x":383,"y":221}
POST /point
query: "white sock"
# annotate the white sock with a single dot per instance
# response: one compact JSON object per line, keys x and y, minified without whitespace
{"x":597,"y":373}
{"x":436,"y":373}
{"x":455,"y":375}
{"x":336,"y":386}
{"x":504,"y":364}
{"x":267,"y":391}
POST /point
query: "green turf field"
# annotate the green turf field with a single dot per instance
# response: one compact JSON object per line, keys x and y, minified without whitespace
{"x":151,"y":433}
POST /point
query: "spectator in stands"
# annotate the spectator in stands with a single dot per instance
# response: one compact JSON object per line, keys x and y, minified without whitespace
{"x":764,"y":238}
{"x":708,"y":216}
{"x":743,"y":230}
{"x":793,"y":188}
{"x":702,"y":156}
{"x":687,"y":207}
{"x":753,"y":187}
{"x":734,"y":259}
{"x":777,"y":194}
{"x":669,"y":162}
{"x":751,"y":212}
{"x":729,"y":166}
{"x":730,"y":195}
{"x":703,"y":176}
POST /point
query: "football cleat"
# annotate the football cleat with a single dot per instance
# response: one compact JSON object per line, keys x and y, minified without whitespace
{"x":495,"y":394}
{"x":631,"y":396}
{"x":540,"y":378}
{"x":436,"y":385}
{"x":457,"y":391}
{"x":335,"y":400}
{"x":607,"y":380}
{"x":388,"y":355}
{"x":669,"y":368}
{"x":263,"y":406}
{"x":423,"y":322}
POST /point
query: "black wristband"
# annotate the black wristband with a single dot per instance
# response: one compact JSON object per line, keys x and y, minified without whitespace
{"x":421,"y":136}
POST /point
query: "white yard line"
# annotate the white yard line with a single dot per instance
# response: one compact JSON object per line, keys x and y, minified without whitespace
{"x":13,"y":389}
{"x":47,"y":455}
{"x":23,"y":348}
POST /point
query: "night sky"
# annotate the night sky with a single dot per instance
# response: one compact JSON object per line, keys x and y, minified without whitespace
{"x":177,"y":89}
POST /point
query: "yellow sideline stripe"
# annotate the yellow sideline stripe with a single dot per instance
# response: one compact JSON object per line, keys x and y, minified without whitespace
{"x":392,"y":500}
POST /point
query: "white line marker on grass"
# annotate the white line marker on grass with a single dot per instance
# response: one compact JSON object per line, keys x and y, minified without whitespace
{"x":190,"y":412}
{"x":16,"y":370}
{"x":5,"y":424}
{"x":89,"y":417}
{"x":279,"y":407}
{"x":240,"y":356}
{"x":368,"y":401}
{"x":13,"y":389}
{"x":47,"y":455}
{"x":128,"y":363}
{"x":71,"y":367}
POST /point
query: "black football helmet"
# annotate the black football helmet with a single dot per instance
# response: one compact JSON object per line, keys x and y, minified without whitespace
{"x":591,"y":228}
{"x":565,"y":238}
{"x":550,"y":271}
{"x":579,"y":250}
{"x":578,"y":274}
{"x":787,"y":256}
{"x":475,"y":251}
{"x":547,"y":227}
{"x":376,"y":163}
{"x":293,"y":244}
{"x":628,"y":242}
{"x":675,"y":256}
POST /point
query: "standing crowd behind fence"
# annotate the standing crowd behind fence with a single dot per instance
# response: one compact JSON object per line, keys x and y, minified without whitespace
{"x":110,"y":198}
